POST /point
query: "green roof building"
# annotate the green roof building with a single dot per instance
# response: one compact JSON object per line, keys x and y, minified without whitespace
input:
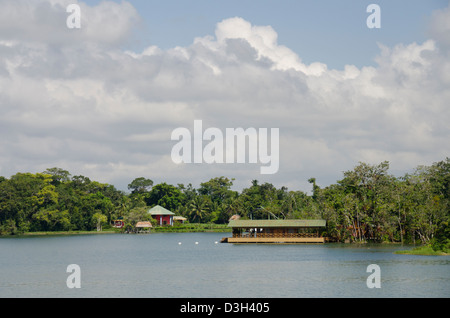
{"x":162,"y":215}
{"x":276,"y":231}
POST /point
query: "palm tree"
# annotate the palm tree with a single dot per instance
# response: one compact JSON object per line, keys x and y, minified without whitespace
{"x":198,"y":208}
{"x":123,"y":207}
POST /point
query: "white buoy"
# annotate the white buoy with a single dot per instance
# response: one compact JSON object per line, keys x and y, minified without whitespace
{"x":179,"y":243}
{"x":216,"y":242}
{"x":196,"y":243}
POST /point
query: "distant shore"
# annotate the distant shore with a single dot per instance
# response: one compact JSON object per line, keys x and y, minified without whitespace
{"x":55,"y":233}
{"x":190,"y":227}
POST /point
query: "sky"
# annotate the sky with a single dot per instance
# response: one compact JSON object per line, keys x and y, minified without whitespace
{"x":103,"y":100}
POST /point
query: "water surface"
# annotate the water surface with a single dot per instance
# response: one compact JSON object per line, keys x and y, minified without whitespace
{"x":196,"y":265}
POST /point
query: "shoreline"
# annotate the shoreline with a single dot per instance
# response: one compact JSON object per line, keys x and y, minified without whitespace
{"x":166,"y":229}
{"x":59,"y":233}
{"x":420,"y":250}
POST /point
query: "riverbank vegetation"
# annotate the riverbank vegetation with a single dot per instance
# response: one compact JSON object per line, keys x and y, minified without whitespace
{"x":425,"y":250}
{"x":367,"y":204}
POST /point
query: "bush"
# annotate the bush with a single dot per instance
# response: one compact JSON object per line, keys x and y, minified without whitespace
{"x":441,"y":245}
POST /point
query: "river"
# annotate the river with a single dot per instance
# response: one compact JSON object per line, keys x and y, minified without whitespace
{"x":165,"y":265}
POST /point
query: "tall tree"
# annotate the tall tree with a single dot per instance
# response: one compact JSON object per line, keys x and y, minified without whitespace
{"x":165,"y":195}
{"x":198,"y":209}
{"x":218,"y":189}
{"x":58,"y":175}
{"x":140,"y":185}
{"x":99,"y":219}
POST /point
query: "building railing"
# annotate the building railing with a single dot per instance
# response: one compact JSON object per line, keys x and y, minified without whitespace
{"x":274,"y":235}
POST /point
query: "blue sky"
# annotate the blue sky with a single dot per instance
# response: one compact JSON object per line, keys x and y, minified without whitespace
{"x":328,"y":31}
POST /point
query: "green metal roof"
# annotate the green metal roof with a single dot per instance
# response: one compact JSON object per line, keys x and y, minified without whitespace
{"x":276,"y":223}
{"x":159,"y":210}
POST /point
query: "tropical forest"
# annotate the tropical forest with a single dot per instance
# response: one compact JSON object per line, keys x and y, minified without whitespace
{"x":368,"y":204}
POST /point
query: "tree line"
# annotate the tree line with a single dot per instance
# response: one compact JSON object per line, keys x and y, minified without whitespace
{"x":367,"y":204}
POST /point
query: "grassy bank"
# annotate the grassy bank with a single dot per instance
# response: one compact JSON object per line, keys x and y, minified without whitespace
{"x":67,"y":233}
{"x":422,"y":250}
{"x":190,"y":227}
{"x":193,"y":227}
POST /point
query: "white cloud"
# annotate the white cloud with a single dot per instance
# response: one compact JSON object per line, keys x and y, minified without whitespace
{"x":78,"y":101}
{"x":439,"y":27}
{"x":44,"y":21}
{"x":264,"y":40}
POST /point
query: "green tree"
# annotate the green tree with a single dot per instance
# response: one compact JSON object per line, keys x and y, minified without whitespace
{"x":58,"y":175}
{"x":140,"y":185}
{"x":428,"y":212}
{"x":52,"y":220}
{"x":135,"y":215}
{"x":165,"y":195}
{"x":261,"y":200}
{"x":440,"y":181}
{"x":198,"y":209}
{"x":365,"y":182}
{"x":316,"y":188}
{"x":23,"y":195}
{"x":218,"y":189}
{"x":99,"y":219}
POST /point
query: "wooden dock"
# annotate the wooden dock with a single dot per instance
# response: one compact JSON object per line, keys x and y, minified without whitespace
{"x":274,"y":240}
{"x":276,"y":231}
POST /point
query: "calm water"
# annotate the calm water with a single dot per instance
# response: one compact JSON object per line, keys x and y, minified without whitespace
{"x":156,"y":265}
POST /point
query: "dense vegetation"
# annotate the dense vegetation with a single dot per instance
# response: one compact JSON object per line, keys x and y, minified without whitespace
{"x":368,"y":204}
